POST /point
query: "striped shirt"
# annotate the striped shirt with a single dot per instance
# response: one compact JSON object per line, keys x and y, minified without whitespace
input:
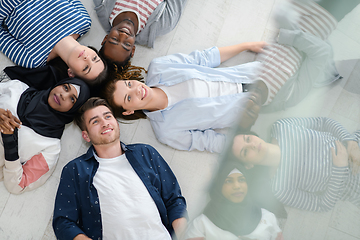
{"x":142,"y":8}
{"x":35,"y":27}
{"x":306,"y":177}
{"x":281,"y":62}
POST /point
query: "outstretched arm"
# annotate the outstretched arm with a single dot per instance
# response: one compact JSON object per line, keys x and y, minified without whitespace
{"x":231,"y":51}
{"x":211,"y":57}
{"x":322,"y":124}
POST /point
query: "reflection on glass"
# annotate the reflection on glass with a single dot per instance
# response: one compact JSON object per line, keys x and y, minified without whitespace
{"x":232,"y":212}
{"x":307,"y":161}
{"x":311,"y":164}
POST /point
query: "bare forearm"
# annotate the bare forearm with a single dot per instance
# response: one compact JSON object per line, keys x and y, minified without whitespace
{"x":81,"y":237}
{"x":179,"y":226}
{"x":231,"y":51}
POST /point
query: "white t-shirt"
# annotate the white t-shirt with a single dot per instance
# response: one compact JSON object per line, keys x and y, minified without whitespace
{"x":201,"y":226}
{"x":196,"y":88}
{"x":127,"y":209}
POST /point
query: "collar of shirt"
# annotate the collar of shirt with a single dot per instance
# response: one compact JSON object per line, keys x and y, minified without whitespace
{"x":90,"y":153}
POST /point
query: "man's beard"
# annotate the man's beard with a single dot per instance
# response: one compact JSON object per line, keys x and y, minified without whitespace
{"x":101,"y":141}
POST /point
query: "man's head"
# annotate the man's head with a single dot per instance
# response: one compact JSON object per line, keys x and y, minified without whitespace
{"x":119,"y":45}
{"x":97,"y":122}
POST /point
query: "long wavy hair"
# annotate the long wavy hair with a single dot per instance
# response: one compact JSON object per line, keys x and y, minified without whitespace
{"x":127,"y":72}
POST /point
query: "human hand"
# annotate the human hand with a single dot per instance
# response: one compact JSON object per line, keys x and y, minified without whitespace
{"x":354,"y":156}
{"x":257,"y":47}
{"x":8,"y":122}
{"x":341,"y":158}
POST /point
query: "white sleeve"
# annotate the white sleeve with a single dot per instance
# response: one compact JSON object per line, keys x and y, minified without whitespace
{"x":271,"y":220}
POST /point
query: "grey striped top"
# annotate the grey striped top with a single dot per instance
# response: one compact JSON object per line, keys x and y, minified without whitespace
{"x":306,"y":177}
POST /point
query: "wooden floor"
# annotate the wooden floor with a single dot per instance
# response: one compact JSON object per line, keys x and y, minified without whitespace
{"x":206,"y":23}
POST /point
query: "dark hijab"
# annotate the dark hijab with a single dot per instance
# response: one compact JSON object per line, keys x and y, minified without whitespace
{"x":237,"y":218}
{"x":35,"y":112}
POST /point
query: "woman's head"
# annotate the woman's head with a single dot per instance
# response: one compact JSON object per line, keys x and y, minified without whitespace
{"x":63,"y":97}
{"x":128,"y":97}
{"x":235,"y":187}
{"x":250,"y":149}
{"x":230,"y":182}
{"x":231,"y":207}
{"x":85,"y":63}
{"x":47,"y":111}
{"x":68,"y":95}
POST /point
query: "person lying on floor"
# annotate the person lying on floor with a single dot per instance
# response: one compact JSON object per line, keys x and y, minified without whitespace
{"x":116,"y":191}
{"x":35,"y":33}
{"x":232,"y":214}
{"x":128,"y":22}
{"x":29,"y":152}
{"x":187,"y":98}
{"x":307,"y":161}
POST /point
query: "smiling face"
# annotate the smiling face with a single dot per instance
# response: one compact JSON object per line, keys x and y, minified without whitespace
{"x":250,"y":149}
{"x":63,"y":97}
{"x":132,"y":95}
{"x":235,"y":188}
{"x":251,"y":111}
{"x":84,"y":63}
{"x":101,"y":126}
{"x":119,"y":44}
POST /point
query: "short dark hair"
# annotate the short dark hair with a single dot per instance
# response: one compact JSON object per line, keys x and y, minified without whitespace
{"x":88,"y":105}
{"x":110,"y":62}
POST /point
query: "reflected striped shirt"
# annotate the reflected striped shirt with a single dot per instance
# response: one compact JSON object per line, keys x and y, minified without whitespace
{"x":281,"y":62}
{"x":306,"y":177}
{"x":33,"y":28}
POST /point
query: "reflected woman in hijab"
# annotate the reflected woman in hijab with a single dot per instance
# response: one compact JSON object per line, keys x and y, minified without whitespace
{"x":231,"y":213}
{"x":30,"y":151}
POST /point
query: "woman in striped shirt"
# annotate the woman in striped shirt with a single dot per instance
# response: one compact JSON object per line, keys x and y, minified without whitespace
{"x":307,"y":160}
{"x":34,"y":32}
